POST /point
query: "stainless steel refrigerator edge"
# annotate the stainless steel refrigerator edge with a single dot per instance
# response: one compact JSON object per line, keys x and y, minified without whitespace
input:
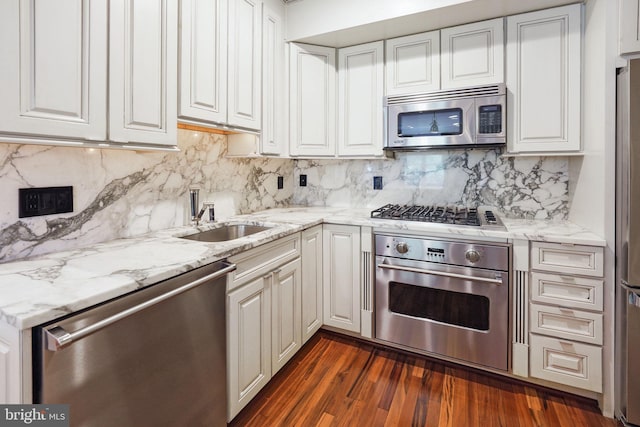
{"x":627,"y":358}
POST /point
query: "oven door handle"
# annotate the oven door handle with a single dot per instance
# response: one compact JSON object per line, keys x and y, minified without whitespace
{"x":497,"y":281}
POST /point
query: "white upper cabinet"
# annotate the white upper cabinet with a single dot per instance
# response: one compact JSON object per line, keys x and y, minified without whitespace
{"x":472,"y":54}
{"x":360,"y":91}
{"x":273,"y":138}
{"x":203,"y":60}
{"x":245,"y":76}
{"x":413,"y":63}
{"x":220,"y":62}
{"x":629,"y":26}
{"x":544,"y":80}
{"x":59,"y":60}
{"x":53,"y":77}
{"x":312,"y":102}
{"x":143,"y":71}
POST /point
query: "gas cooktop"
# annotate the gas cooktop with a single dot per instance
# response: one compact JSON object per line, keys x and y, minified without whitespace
{"x":444,"y":214}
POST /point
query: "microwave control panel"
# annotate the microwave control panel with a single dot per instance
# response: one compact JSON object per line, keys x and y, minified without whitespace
{"x":490,"y":119}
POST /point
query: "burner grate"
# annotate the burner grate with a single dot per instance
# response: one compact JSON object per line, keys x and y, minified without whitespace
{"x":445,"y":214}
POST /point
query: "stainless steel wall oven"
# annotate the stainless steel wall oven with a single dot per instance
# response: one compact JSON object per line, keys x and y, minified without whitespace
{"x":449,"y":298}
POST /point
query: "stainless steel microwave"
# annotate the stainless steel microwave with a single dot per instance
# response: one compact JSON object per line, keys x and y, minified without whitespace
{"x":467,"y":117}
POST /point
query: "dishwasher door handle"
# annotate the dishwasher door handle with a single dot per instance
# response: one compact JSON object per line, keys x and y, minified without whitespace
{"x":496,"y":281}
{"x":57,"y":337}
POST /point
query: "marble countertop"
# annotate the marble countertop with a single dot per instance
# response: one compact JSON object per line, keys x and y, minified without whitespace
{"x":37,"y":290}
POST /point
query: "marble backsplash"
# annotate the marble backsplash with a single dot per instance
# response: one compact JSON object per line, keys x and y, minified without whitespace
{"x":120,"y":193}
{"x":519,"y":187}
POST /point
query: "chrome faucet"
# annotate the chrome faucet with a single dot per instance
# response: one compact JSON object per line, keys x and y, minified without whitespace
{"x":196,"y":216}
{"x":212,"y":212}
{"x":193,"y":204}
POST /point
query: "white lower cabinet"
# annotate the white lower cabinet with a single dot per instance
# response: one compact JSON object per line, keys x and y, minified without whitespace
{"x":341,"y":276}
{"x":567,"y":362}
{"x":286,"y":313}
{"x":566,"y":318}
{"x":248,"y":343}
{"x":311,"y":254}
{"x":264,"y":313}
{"x":10,"y":365}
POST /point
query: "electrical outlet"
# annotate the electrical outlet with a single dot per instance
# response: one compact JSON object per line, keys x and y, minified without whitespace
{"x":377,"y":183}
{"x":280,"y":183}
{"x":303,"y":180}
{"x":44,"y":201}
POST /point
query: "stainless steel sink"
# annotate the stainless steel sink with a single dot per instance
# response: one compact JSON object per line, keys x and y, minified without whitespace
{"x":227,"y":232}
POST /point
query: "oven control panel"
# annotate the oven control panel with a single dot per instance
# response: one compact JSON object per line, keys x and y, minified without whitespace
{"x":471,"y":254}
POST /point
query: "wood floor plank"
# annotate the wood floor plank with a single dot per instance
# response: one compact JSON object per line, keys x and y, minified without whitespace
{"x":340,"y":381}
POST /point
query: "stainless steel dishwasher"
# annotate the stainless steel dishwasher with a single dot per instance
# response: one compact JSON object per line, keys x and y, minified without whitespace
{"x":156,"y":356}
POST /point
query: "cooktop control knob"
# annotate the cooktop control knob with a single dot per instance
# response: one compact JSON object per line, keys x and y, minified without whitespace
{"x":402,"y":247}
{"x":472,"y":256}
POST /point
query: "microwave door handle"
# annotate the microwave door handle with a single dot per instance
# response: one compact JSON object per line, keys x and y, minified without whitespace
{"x":57,"y":337}
{"x":441,"y":273}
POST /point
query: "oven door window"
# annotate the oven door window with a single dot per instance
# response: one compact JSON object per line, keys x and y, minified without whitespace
{"x":453,"y":308}
{"x":430,"y":123}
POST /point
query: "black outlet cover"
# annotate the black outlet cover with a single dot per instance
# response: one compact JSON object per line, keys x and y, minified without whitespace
{"x":377,"y":183}
{"x":303,"y":180}
{"x":44,"y":201}
{"x":280,"y":183}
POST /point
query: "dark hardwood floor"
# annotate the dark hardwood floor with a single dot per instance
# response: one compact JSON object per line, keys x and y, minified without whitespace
{"x":339,"y":381}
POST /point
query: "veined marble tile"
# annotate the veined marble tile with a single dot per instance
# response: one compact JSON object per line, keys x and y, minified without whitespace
{"x":120,"y":193}
{"x":521,"y":187}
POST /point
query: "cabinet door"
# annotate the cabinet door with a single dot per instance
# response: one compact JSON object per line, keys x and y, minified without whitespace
{"x":143,"y":58}
{"x":566,"y":362}
{"x":286,"y":330}
{"x":53,"y":77}
{"x":10,"y":365}
{"x":629,"y":26}
{"x":360,"y":87}
{"x":311,"y":254}
{"x":473,"y":54}
{"x":312,"y":103}
{"x":543,"y":80}
{"x":569,"y":259}
{"x":245,"y":50}
{"x":203,"y":60}
{"x":341,"y":278}
{"x":413,"y":63}
{"x":273,"y":112}
{"x":248,"y":342}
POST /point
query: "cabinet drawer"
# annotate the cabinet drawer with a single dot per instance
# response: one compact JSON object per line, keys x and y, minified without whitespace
{"x":572,"y":259}
{"x":567,"y":323}
{"x":263,"y":259}
{"x":568,"y":291}
{"x":565,"y":362}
